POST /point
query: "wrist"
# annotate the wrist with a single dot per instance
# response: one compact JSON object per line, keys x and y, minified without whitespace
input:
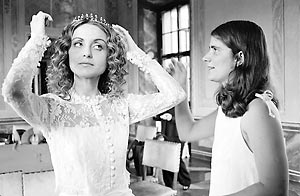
{"x":184,"y":86}
{"x":38,"y":35}
{"x":40,"y":40}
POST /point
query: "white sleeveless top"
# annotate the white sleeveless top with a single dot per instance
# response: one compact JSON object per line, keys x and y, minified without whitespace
{"x":233,"y":166}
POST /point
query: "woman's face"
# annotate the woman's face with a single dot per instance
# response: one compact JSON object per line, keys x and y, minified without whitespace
{"x":219,"y":60}
{"x":88,"y":51}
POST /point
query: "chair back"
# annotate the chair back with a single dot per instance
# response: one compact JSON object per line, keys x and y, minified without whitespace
{"x":39,"y":183}
{"x":11,"y":184}
{"x":144,"y":132}
{"x":162,"y":154}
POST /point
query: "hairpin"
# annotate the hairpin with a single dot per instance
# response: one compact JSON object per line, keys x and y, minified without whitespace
{"x":92,"y":17}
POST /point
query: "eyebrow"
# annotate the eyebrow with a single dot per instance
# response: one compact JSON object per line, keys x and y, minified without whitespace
{"x":98,"y":39}
{"x":101,"y":40}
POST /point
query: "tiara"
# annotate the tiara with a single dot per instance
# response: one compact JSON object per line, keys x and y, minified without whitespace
{"x":91,"y":17}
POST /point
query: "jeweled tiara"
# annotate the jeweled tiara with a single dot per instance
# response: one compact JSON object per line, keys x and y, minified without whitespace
{"x":92,"y":17}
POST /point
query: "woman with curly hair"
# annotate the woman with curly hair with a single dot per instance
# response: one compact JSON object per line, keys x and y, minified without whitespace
{"x":85,"y":117}
{"x":60,"y":77}
{"x":248,"y":153}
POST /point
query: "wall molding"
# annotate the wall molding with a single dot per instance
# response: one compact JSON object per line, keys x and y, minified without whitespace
{"x":11,"y":121}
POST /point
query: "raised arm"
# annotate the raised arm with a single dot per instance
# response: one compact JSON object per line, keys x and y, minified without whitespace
{"x":17,"y":86}
{"x":170,"y":92}
{"x":188,"y":128}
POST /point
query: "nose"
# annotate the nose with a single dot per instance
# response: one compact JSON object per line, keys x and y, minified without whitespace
{"x":87,"y":52}
{"x":206,"y":58}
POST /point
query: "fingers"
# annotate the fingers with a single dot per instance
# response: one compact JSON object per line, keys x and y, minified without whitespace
{"x":41,"y":16}
{"x":131,"y":45}
{"x":46,"y":16}
{"x":120,"y":30}
{"x":39,"y":22}
{"x":47,"y":20}
{"x":123,"y":34}
{"x":177,"y":65}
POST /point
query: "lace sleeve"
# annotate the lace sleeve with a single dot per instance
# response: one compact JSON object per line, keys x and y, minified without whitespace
{"x":170,"y":92}
{"x":17,"y":86}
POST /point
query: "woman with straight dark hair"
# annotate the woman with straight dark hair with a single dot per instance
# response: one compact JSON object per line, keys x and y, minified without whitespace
{"x":248,"y":153}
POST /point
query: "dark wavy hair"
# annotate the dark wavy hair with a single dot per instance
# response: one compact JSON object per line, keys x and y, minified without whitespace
{"x":250,"y":77}
{"x":60,"y":78}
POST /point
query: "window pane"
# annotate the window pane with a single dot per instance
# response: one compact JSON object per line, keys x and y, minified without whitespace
{"x":184,"y":40}
{"x":185,"y":60}
{"x":166,"y":22}
{"x":174,"y":26}
{"x":184,"y":17}
{"x":174,"y":42}
{"x":167,"y":43}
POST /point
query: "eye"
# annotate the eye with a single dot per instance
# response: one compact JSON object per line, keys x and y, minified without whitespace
{"x":214,"y":48}
{"x":98,"y":47}
{"x":77,"y":44}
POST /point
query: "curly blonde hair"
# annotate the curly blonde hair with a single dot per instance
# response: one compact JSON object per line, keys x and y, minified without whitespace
{"x":60,"y":78}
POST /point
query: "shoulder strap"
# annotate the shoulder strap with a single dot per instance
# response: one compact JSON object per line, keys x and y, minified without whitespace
{"x":267,"y":97}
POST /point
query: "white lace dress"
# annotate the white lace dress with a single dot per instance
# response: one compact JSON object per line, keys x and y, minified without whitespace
{"x":87,"y":138}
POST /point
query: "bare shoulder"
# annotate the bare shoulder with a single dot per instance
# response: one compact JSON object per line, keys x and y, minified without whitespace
{"x":257,"y":105}
{"x":258,"y":109}
{"x":260,"y":117}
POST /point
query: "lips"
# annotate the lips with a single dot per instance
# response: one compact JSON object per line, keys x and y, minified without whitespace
{"x":86,"y":64}
{"x":210,"y":67}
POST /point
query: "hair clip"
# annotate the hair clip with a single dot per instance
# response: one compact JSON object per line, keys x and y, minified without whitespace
{"x":92,"y":17}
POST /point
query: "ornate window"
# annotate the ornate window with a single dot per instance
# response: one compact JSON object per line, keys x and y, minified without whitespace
{"x":175,"y":36}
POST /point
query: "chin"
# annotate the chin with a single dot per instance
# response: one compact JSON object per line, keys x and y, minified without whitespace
{"x":212,"y":79}
{"x":87,"y":75}
{"x":216,"y":79}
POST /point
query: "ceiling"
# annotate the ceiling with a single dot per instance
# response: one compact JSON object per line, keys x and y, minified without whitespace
{"x":160,"y":3}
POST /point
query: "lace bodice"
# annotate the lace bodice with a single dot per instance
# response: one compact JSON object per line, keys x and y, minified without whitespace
{"x":87,"y":138}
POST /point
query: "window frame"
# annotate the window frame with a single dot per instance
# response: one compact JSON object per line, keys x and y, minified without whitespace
{"x":179,"y":54}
